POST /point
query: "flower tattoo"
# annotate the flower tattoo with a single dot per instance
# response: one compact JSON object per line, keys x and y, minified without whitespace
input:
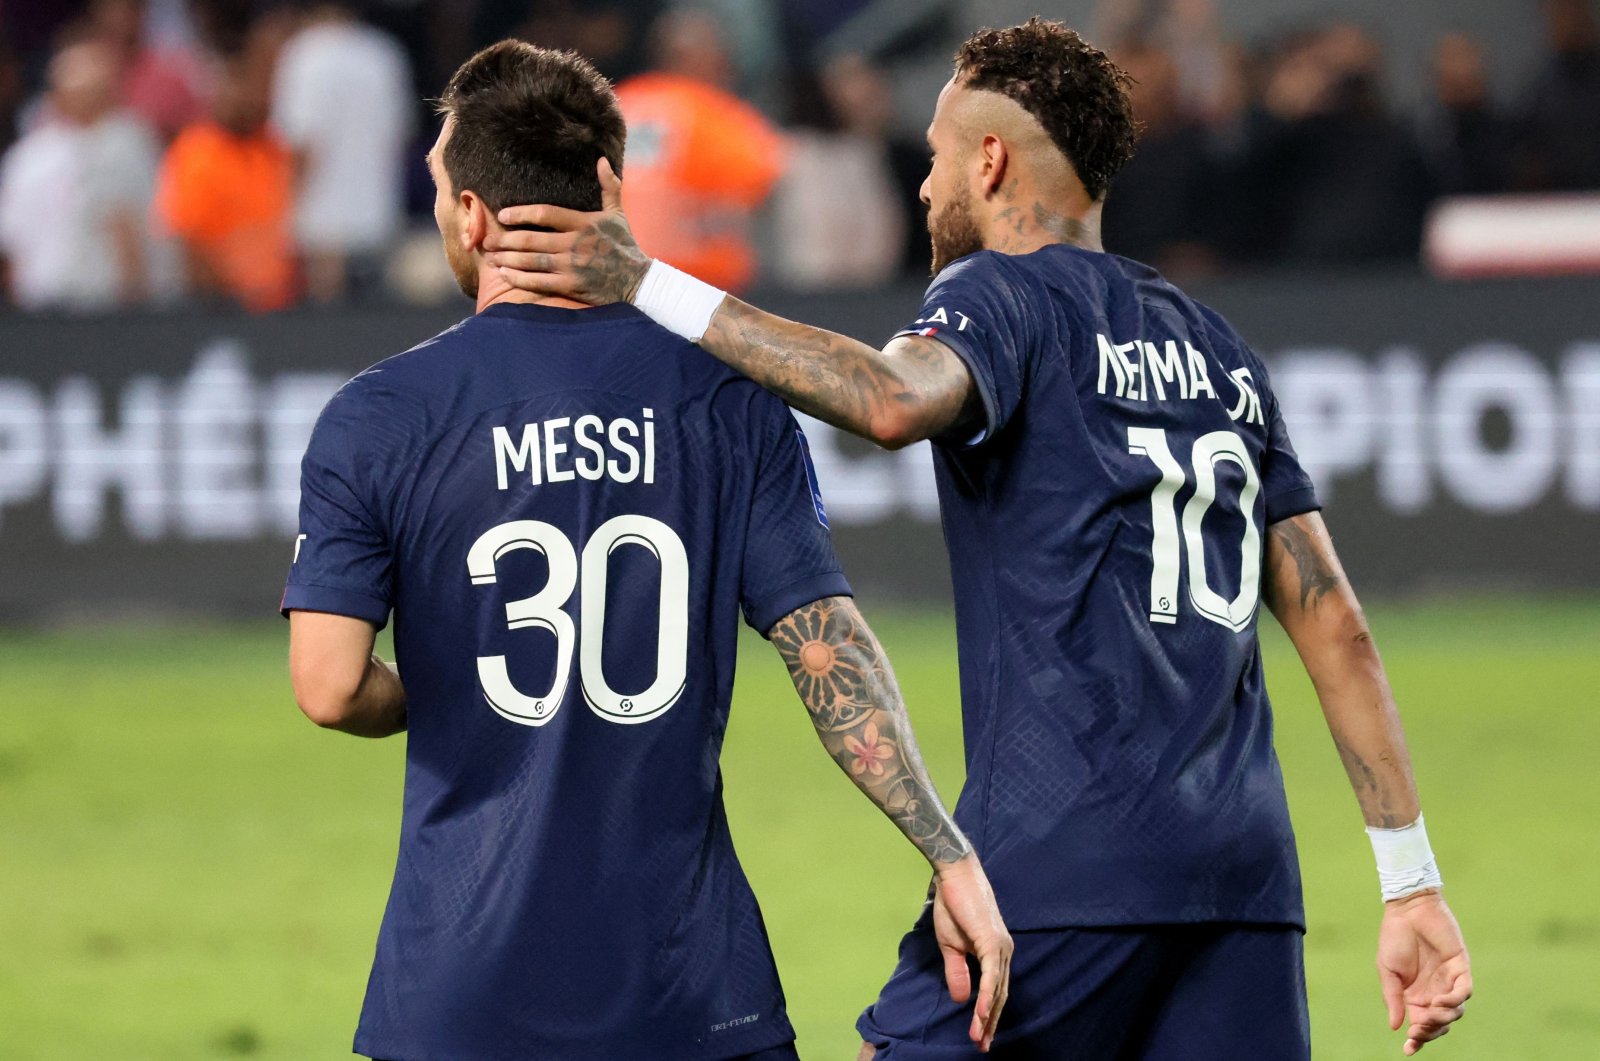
{"x":870,"y":751}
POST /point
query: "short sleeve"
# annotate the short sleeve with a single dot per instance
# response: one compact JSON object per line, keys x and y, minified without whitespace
{"x":789,"y":560}
{"x":343,"y":561}
{"x":979,"y":310}
{"x":1286,"y":487}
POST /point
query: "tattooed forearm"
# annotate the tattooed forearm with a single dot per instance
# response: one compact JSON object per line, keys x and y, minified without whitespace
{"x":1373,"y":796}
{"x":1316,"y":577}
{"x":1321,"y":615}
{"x":845,"y":681}
{"x":917,"y":388}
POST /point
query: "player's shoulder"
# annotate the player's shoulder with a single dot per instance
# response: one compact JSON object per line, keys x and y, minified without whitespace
{"x":397,"y":391}
{"x":744,"y":412}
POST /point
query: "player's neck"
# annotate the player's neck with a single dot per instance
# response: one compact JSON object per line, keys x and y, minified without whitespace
{"x":1022,"y":224}
{"x":493,"y":288}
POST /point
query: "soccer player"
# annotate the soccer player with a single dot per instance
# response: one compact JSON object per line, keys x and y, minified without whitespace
{"x":565,"y":509}
{"x":1119,"y":494}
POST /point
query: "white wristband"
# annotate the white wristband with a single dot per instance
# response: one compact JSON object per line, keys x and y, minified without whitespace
{"x":1405,"y":860}
{"x":677,"y":301}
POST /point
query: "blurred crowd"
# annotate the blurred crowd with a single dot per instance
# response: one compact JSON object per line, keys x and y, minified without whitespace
{"x":267,"y":154}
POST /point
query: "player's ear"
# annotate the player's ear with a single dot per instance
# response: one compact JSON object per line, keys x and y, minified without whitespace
{"x":474,"y":221}
{"x":993,"y":159}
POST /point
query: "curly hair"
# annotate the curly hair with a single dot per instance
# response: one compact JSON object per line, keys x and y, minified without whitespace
{"x":1072,"y":89}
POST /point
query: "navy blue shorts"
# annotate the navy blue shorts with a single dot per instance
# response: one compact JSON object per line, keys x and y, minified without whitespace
{"x":1204,"y":992}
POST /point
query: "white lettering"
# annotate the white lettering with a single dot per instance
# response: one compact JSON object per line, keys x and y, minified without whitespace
{"x":523,"y":456}
{"x":1249,"y":406}
{"x":1134,"y":369}
{"x":583,"y":430}
{"x":614,"y":468}
{"x":1404,"y":479}
{"x":24,"y":452}
{"x":92,"y":459}
{"x":1580,"y":378}
{"x":554,"y":449}
{"x":1199,"y":378}
{"x":1109,"y":359}
{"x":217,"y":494}
{"x":1483,"y":378}
{"x":1327,"y":403}
{"x":649,"y":446}
{"x":1166,"y":366}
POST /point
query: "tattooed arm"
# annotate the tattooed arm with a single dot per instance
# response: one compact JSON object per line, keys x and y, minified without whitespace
{"x":845,"y":681}
{"x":1422,"y":961}
{"x":1312,"y":599}
{"x":912,"y":389}
{"x":849,"y":689}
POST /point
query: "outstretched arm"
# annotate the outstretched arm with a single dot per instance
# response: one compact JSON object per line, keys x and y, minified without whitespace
{"x":849,"y":689}
{"x":914,"y":388}
{"x":1422,"y":961}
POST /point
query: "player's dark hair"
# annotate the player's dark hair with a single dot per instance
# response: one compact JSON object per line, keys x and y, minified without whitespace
{"x":1070,"y":87}
{"x":530,"y":125}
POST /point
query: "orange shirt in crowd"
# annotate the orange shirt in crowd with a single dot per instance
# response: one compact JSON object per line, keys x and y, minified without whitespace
{"x":699,"y":161}
{"x":229,"y":198}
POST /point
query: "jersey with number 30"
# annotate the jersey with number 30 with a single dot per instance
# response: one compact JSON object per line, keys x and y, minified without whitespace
{"x":1106,"y":534}
{"x":566,"y":511}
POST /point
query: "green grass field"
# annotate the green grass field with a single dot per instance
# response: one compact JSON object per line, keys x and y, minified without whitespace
{"x":189,"y":869}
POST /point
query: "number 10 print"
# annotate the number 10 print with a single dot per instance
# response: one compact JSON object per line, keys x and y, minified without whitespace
{"x":1166,"y":562}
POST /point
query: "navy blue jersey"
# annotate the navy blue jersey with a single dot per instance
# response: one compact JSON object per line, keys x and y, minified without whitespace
{"x":1106,"y":535}
{"x":565,"y":510}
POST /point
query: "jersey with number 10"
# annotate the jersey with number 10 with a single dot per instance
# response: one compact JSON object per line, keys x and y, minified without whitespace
{"x":566,"y":511}
{"x":1106,"y":536}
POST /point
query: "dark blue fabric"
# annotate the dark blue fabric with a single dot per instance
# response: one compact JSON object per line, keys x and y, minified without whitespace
{"x":566,"y":886}
{"x":1212,"y":992}
{"x":1120,"y":767}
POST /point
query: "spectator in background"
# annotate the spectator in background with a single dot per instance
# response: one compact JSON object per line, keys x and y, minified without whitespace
{"x":1469,"y":143}
{"x":10,"y":94}
{"x":1189,"y":34}
{"x":609,"y":33}
{"x":342,"y":100}
{"x":1156,"y":211}
{"x":226,"y":192}
{"x":161,"y":85}
{"x":825,"y":240}
{"x":1561,"y":118}
{"x":83,"y":177}
{"x":700,"y":160}
{"x":1343,"y":182}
